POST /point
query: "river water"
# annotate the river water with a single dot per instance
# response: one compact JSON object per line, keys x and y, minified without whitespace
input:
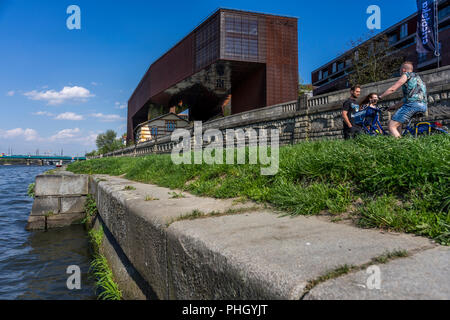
{"x":33,"y":265}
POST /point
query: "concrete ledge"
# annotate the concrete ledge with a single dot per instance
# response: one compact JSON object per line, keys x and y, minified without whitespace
{"x":139,"y":226}
{"x":403,"y":279}
{"x":254,"y":255}
{"x":61,"y":185}
{"x":263,"y":256}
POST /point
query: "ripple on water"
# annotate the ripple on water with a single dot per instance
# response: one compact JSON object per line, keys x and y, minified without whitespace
{"x":33,"y":264}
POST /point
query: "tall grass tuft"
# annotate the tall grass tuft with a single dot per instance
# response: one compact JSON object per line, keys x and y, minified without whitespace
{"x":105,"y":283}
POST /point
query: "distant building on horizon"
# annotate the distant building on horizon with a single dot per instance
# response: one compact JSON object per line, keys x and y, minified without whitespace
{"x":334,"y":75}
{"x":234,"y":61}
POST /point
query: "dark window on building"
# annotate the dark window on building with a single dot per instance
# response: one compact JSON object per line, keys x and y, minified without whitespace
{"x":241,"y":39}
{"x":404,"y":31}
{"x":444,"y":12}
{"x":171,"y":126}
{"x":393,"y":39}
{"x":325,"y":74}
{"x":349,"y":62}
{"x":154,"y":132}
{"x":340,"y":66}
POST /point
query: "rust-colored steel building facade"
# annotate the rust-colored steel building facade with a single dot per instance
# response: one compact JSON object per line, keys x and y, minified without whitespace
{"x":249,"y":57}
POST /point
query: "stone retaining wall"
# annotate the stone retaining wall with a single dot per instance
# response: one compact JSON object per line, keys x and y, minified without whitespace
{"x":242,"y":251}
{"x":59,"y":201}
{"x":313,"y":118}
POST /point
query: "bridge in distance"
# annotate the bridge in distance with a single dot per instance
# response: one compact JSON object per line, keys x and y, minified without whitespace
{"x":41,"y":160}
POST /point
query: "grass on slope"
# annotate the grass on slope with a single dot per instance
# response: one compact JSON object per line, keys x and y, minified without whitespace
{"x":401,"y":185}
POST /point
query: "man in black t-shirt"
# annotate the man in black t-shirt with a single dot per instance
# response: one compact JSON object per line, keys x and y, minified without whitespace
{"x":350,"y":107}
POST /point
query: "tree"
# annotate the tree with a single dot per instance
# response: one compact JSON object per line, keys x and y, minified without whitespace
{"x":108,"y":142}
{"x":92,"y":154}
{"x":374,"y":60}
{"x":304,"y":89}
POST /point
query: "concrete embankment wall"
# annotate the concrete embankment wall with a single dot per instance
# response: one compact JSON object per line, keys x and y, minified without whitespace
{"x":158,"y":248}
{"x":242,"y":251}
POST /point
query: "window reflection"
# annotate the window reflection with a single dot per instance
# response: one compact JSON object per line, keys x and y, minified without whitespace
{"x":241,"y":39}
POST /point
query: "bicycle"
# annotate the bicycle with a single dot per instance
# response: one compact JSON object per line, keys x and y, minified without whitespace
{"x":369,"y":119}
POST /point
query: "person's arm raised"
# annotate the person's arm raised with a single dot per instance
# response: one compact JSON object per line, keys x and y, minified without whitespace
{"x":395,"y":87}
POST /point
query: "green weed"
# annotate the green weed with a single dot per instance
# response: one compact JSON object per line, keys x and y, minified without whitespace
{"x":90,"y":208}
{"x":100,"y":269}
{"x":30,"y":191}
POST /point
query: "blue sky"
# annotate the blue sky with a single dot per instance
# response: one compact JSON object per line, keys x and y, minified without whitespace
{"x":59,"y":88}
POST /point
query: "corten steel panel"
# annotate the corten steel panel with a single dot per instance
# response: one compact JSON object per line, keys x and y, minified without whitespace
{"x":282,"y":60}
{"x":277,"y":43}
{"x":250,"y":93}
{"x":174,"y":66}
{"x":243,"y":36}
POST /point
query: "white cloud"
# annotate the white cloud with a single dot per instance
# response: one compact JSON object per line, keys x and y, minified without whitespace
{"x":69,"y":116}
{"x":88,"y":140}
{"x":10,"y":93}
{"x":65,"y":134}
{"x":56,"y":98}
{"x":121,"y":106}
{"x":43,"y":113}
{"x":62,"y":116}
{"x":75,"y":136}
{"x":27,"y":134}
{"x":107,"y":117}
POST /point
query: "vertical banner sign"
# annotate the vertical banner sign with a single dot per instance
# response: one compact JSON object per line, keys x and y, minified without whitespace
{"x":426,"y":26}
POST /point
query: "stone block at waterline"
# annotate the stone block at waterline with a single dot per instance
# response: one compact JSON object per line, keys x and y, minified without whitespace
{"x":35,"y":223}
{"x":57,"y":185}
{"x":64,"y":220}
{"x":72,"y":205}
{"x":44,"y":206}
